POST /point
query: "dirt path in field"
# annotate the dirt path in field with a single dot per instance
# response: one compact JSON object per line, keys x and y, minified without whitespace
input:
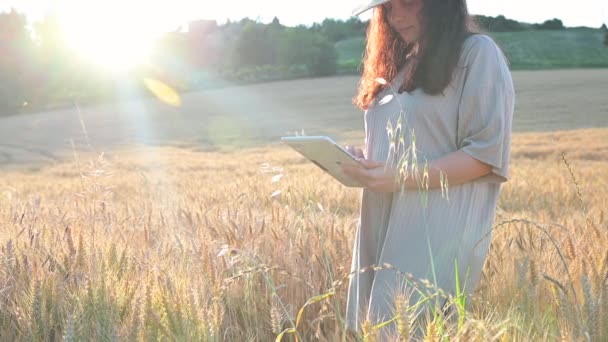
{"x":260,"y":114}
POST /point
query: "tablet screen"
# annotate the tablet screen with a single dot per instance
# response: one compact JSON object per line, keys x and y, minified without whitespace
{"x":326,"y":154}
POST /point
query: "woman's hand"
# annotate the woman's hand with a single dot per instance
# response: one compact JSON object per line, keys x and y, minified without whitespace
{"x":373,"y":175}
{"x":355,"y":151}
{"x":454,"y":168}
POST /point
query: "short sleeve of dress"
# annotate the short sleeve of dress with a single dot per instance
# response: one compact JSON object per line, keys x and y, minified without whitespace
{"x":485,"y":111}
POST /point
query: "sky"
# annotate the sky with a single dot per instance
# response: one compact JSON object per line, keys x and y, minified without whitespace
{"x":163,"y":16}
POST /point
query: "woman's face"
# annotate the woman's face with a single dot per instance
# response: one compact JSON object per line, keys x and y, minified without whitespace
{"x":403,"y":17}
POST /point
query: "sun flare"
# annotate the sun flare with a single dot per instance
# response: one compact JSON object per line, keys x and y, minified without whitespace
{"x":108,"y":34}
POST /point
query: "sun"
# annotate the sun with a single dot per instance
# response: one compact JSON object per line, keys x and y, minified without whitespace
{"x":116,"y":35}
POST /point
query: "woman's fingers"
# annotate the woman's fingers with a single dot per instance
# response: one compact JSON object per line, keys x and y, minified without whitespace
{"x":359,"y":153}
{"x":352,"y":171}
{"x":372,"y":174}
{"x":370,"y":164}
{"x":355,"y":151}
{"x":350,"y":149}
{"x":358,"y":172}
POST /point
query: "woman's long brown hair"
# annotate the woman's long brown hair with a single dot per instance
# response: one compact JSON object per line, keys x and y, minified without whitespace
{"x":445,"y":24}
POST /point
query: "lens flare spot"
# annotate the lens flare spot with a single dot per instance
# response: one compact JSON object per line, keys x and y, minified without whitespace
{"x":163,"y":92}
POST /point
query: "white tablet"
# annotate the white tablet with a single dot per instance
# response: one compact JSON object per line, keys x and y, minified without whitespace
{"x":326,"y":154}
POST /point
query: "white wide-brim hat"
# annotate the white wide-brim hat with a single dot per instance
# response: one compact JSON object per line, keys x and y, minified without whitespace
{"x":365,"y":5}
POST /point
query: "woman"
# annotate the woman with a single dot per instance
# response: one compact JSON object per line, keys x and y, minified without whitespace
{"x":453,"y":90}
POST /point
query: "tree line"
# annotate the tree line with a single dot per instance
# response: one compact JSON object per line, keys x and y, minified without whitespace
{"x":40,"y":71}
{"x":502,"y":24}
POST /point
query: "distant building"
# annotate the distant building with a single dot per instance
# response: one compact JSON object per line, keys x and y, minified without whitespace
{"x":205,"y":42}
{"x":201,"y":28}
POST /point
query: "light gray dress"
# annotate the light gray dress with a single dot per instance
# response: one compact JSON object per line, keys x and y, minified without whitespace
{"x":404,"y":229}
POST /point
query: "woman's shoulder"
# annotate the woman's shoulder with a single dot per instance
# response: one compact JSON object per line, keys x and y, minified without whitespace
{"x":478,"y":41}
{"x":483,"y":61}
{"x":478,"y":46}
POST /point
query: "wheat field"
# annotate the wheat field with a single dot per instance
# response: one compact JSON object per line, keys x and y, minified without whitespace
{"x":135,"y":221}
{"x":174,"y":244}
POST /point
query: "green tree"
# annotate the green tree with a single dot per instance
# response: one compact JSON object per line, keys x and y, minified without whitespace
{"x":276,"y":23}
{"x":63,"y":77}
{"x":499,"y":24}
{"x":299,"y":46}
{"x":553,"y":24}
{"x":334,"y":30}
{"x":356,"y":27}
{"x":255,"y":46}
{"x":16,"y":50}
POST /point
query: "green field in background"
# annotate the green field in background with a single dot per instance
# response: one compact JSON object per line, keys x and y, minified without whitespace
{"x":526,"y":50}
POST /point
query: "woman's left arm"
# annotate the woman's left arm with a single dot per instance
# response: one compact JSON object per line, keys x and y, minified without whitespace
{"x":458,"y":167}
{"x":485,"y":114}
